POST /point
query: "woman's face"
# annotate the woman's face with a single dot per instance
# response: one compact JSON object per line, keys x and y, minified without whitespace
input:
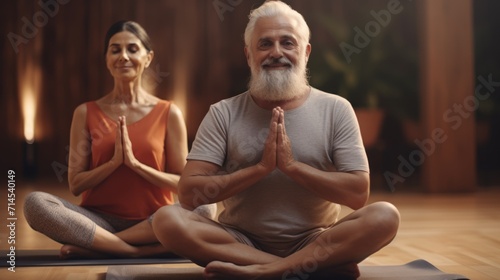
{"x":126,"y":57}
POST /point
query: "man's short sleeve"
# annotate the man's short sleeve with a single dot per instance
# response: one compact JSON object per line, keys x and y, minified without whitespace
{"x":349,"y":153}
{"x":211,"y":138}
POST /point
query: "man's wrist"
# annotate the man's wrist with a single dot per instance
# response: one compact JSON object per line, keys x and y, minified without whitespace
{"x":290,"y":168}
{"x":262,"y":170}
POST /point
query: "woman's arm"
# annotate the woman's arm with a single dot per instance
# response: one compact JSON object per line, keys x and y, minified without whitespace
{"x":176,"y":151}
{"x":79,"y":176}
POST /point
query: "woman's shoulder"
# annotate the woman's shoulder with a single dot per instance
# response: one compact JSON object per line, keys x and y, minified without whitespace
{"x":173,"y":110}
{"x":168,"y":107}
{"x":81,"y":109}
{"x":161,"y":102}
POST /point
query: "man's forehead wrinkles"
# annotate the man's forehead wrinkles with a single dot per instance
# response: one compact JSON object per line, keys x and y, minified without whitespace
{"x":269,"y":36}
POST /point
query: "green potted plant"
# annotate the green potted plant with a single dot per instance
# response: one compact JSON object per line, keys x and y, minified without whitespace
{"x":374,"y":76}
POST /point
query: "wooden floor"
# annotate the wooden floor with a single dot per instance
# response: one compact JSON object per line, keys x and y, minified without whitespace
{"x":457,"y":233}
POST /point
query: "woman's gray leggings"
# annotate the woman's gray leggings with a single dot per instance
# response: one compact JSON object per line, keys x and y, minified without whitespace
{"x":67,"y":223}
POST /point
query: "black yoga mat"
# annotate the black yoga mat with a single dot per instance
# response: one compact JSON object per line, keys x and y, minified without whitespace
{"x":127,"y":268}
{"x":415,"y":270}
{"x":26,"y":258}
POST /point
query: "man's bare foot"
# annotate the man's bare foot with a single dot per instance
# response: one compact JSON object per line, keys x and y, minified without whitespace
{"x":224,"y":270}
{"x":75,"y":252}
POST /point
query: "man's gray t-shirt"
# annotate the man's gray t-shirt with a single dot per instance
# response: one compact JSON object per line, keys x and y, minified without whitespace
{"x":324,"y":134}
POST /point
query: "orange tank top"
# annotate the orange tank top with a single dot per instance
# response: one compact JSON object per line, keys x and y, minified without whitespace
{"x":124,"y":193}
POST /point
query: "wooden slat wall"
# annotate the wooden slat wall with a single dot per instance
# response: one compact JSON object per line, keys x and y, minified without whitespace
{"x":199,"y":58}
{"x":193,"y":53}
{"x":447,"y":74}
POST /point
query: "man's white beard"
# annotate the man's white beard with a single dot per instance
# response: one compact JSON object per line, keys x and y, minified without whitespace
{"x":278,"y":85}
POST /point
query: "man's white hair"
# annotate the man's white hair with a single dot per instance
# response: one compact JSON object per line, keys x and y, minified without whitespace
{"x":276,"y":8}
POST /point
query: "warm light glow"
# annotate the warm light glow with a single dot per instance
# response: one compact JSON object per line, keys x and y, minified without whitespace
{"x":29,"y":115}
{"x":180,"y":90}
{"x":29,"y":82}
{"x":30,"y":76}
{"x":180,"y":99}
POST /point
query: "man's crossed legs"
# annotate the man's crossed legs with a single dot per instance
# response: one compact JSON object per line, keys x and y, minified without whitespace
{"x":335,"y":253}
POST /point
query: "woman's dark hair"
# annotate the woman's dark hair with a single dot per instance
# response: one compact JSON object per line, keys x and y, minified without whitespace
{"x":132,"y":27}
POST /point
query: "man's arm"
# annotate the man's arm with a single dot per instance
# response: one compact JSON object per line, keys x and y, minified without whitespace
{"x":347,"y":188}
{"x":204,"y":182}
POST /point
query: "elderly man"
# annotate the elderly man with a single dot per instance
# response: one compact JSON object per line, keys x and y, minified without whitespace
{"x":281,"y":157}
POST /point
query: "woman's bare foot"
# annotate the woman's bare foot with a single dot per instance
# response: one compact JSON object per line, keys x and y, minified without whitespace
{"x":74,"y":252}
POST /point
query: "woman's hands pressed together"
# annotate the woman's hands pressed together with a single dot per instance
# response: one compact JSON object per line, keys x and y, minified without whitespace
{"x":127,"y":152}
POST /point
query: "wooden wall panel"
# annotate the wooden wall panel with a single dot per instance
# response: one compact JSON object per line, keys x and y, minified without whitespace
{"x":199,"y":60}
{"x":447,"y":77}
{"x":194,"y":63}
{"x":9,"y":103}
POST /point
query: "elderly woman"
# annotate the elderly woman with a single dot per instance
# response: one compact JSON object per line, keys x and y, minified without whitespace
{"x":127,"y":150}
